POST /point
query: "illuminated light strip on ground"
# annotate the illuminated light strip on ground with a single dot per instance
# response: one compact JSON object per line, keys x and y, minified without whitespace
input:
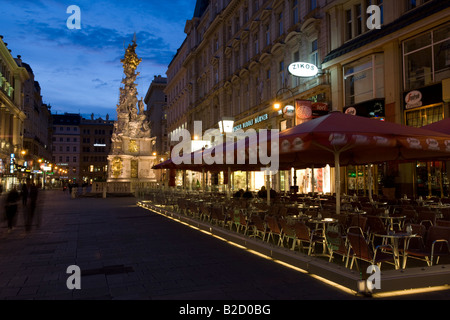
{"x":319,"y":278}
{"x":335,"y":285}
{"x":410,"y":292}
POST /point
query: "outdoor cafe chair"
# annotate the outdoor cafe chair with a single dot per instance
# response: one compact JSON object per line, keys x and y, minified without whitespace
{"x":436,"y":244}
{"x":336,"y":242}
{"x":273,"y":228}
{"x":217,"y":216}
{"x":443,"y":223}
{"x":427,"y":218}
{"x":304,"y":234}
{"x":288,"y":234}
{"x":360,"y":222}
{"x":361,"y":250}
{"x":445,"y":214}
{"x":243,"y":224}
{"x":234,"y":219}
{"x":257,"y":227}
{"x":375,"y":226}
{"x":205,"y":212}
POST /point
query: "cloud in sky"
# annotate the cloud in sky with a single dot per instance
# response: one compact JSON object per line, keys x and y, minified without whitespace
{"x":80,"y":70}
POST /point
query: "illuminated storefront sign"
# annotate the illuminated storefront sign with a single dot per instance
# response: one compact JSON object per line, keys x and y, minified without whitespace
{"x":251,"y":122}
{"x":303,"y":69}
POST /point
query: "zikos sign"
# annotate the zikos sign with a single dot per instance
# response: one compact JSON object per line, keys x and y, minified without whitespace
{"x":303,"y":69}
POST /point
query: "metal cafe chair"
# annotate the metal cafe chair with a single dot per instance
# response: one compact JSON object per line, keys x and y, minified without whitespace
{"x":436,"y":244}
{"x":304,"y":234}
{"x":361,"y":250}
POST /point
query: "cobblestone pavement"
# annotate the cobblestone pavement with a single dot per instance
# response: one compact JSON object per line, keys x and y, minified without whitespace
{"x":127,"y":253}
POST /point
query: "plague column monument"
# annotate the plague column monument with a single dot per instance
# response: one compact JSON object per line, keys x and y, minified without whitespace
{"x":131,"y":158}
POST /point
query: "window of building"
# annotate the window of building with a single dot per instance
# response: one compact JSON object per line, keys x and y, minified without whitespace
{"x":349,"y":25}
{"x":255,"y":6}
{"x":410,"y":4}
{"x":256,"y":42}
{"x":358,"y":20}
{"x":364,"y":79}
{"x":426,"y":58}
{"x":267,"y":34}
{"x":312,"y":5}
{"x":295,"y":11}
{"x":282,"y":75}
{"x":280,"y":24}
{"x":296,"y":80}
{"x":314,"y":55}
{"x":378,"y":3}
{"x":425,"y":116}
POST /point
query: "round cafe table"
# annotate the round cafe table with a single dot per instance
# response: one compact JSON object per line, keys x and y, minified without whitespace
{"x":390,"y":220}
{"x":324,"y":223}
{"x":395,"y":238}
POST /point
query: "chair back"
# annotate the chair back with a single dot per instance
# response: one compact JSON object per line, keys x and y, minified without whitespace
{"x":359,"y":221}
{"x":272,"y":223}
{"x":302,"y":231}
{"x":359,"y":246}
{"x":427,"y":216}
{"x":376,"y":225}
{"x":438,"y":233}
{"x":258,"y":222}
{"x":334,"y":238}
{"x":286,"y":228}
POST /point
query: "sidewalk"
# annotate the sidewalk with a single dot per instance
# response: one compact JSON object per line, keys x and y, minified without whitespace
{"x":127,"y":253}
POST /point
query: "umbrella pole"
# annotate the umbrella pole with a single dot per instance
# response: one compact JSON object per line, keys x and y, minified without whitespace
{"x":312,"y":180}
{"x":268,"y":187}
{"x":370,"y":182}
{"x":337,"y":167}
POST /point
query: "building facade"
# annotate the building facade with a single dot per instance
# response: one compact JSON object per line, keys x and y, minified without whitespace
{"x":95,"y":140}
{"x":156,"y":101}
{"x":234,"y":64}
{"x":392,"y":66}
{"x":66,"y":148}
{"x":37,"y":128}
{"x":12,"y":117}
{"x":399,"y":73}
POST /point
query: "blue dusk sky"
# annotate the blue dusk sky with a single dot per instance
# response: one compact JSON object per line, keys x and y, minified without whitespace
{"x":79,"y":70}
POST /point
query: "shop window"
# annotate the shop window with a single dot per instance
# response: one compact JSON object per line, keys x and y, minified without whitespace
{"x":364,"y":79}
{"x":426,"y":58}
{"x":424,"y":116}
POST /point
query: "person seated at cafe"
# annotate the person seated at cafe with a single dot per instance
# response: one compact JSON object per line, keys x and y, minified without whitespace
{"x":262,"y":193}
{"x":239,"y":194}
{"x":247,"y":195}
{"x":273,"y":194}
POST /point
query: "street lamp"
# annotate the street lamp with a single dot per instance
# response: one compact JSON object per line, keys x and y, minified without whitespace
{"x":226,"y":125}
{"x":277,"y":104}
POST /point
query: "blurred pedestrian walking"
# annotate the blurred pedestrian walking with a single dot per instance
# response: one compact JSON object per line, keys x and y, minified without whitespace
{"x":11,"y":204}
{"x":24,"y":193}
{"x":32,"y":208}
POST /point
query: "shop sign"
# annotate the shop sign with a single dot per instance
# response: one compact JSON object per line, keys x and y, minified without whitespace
{"x":351,"y":111}
{"x":320,"y":109}
{"x":303,"y":110}
{"x":289,"y":111}
{"x":413,"y":99}
{"x":374,"y":108}
{"x":423,"y":97}
{"x":303,"y":69}
{"x":12,"y":163}
{"x":251,"y":122}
